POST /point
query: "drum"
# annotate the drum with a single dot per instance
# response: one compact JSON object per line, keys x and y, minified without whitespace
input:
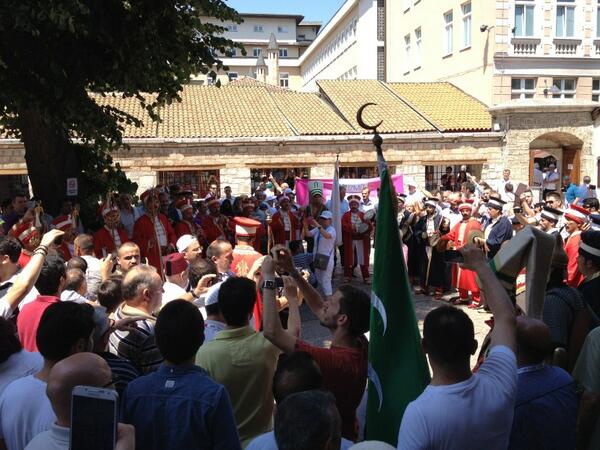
{"x":363,"y":227}
{"x":369,"y":215}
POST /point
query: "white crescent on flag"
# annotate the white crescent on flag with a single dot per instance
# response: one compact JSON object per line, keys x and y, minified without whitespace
{"x":380,"y":307}
{"x":374,"y":378}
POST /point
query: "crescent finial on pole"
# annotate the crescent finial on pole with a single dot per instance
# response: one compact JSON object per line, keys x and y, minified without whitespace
{"x":377,"y":140}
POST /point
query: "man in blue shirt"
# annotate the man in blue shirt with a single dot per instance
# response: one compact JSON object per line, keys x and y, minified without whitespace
{"x":179,"y":406}
{"x":546,"y":404}
{"x":585,"y":191}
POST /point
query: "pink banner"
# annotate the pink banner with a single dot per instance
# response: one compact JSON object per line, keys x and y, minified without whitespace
{"x":353,"y":186}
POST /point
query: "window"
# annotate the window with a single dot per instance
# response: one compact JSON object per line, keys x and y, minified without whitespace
{"x":284,"y":80}
{"x":198,"y":181}
{"x":283,"y":53}
{"x":596,"y":90}
{"x":466,"y":22}
{"x":565,"y":86}
{"x":522,"y":88}
{"x":233,"y":52}
{"x":256,"y":52}
{"x":281,"y":174}
{"x":407,"y":52}
{"x":282,"y":29}
{"x":301,"y":37}
{"x":524,"y":13}
{"x":417,"y":48}
{"x":232,"y":76}
{"x":565,"y":18}
{"x":211,"y":79}
{"x":232,"y":28}
{"x":448,"y":28}
{"x":258,"y":28}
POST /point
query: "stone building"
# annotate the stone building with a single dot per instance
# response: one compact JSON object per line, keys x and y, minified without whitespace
{"x":235,"y":134}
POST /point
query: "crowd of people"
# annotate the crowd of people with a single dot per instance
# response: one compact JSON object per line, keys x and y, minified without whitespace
{"x":190,"y":310}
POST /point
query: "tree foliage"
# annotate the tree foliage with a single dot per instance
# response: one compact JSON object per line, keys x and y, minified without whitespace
{"x":53,"y":53}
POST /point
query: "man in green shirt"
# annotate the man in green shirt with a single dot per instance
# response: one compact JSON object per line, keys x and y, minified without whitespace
{"x":243,"y":360}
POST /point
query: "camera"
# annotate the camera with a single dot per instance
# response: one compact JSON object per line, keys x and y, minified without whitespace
{"x":517,"y":210}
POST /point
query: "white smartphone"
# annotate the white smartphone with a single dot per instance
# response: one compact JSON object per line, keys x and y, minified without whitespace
{"x":93,"y":418}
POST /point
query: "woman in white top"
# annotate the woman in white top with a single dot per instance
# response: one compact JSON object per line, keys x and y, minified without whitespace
{"x":324,"y":235}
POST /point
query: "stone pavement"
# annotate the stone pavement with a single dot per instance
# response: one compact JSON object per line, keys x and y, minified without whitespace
{"x":314,"y":333}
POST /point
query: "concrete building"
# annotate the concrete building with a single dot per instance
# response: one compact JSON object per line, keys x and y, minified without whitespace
{"x":350,"y":46}
{"x":292,"y":34}
{"x":522,"y":56}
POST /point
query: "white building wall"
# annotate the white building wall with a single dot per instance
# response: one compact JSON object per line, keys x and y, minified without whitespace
{"x":366,"y":37}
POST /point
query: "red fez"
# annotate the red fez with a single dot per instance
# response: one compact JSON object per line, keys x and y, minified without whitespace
{"x":175,"y":263}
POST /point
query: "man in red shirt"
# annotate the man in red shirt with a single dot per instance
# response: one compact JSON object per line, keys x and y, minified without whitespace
{"x":346,"y":315}
{"x":49,"y":284}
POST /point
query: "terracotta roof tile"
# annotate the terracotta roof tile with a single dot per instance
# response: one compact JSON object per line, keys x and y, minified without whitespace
{"x":131,"y":106}
{"x":447,"y":106}
{"x":309,"y":115}
{"x":349,"y":95}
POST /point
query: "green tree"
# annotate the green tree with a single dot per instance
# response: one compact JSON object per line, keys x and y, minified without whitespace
{"x":55,"y":53}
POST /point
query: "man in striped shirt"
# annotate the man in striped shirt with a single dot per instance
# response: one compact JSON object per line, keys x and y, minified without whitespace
{"x":142,"y":295}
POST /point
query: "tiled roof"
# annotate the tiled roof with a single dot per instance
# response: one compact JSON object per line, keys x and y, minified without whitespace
{"x":446,"y":105}
{"x":310,"y":115}
{"x":349,"y":95}
{"x":249,"y":108}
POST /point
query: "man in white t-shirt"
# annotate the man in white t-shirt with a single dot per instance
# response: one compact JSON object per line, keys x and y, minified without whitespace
{"x":25,"y":411}
{"x":461,"y":410}
{"x":324,"y":236}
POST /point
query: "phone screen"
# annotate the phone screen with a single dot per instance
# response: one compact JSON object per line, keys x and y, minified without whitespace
{"x":93,"y":423}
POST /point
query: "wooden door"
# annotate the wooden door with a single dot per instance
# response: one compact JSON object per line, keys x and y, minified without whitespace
{"x":571,"y":165}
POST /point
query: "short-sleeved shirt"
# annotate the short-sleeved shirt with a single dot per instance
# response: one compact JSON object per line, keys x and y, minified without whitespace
{"x":476,"y":413}
{"x":586,"y":373}
{"x":137,"y":345}
{"x":25,"y":412}
{"x":267,"y":442}
{"x":29,"y":319}
{"x":244,"y":361}
{"x":345,"y":375}
{"x":19,"y":365}
{"x":325,"y":246}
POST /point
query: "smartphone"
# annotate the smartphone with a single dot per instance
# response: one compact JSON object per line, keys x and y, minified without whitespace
{"x":58,"y":240}
{"x":453,"y":256}
{"x":517,"y":210}
{"x":93,"y":418}
{"x":592,"y":187}
{"x":278,"y":282}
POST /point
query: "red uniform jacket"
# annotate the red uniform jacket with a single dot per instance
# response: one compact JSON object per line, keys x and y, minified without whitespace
{"x":278,"y":228}
{"x":183,"y":227}
{"x":243,"y":259}
{"x":144,"y":235}
{"x":64,"y":251}
{"x":574,"y":276}
{"x":104,"y":243}
{"x":212,"y":230}
{"x":462,"y":278}
{"x":24,"y":259}
{"x":348,"y":235}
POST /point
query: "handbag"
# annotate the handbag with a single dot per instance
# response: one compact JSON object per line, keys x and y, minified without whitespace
{"x":321,"y":260}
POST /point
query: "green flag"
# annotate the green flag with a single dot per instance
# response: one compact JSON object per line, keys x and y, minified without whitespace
{"x":398,"y":371}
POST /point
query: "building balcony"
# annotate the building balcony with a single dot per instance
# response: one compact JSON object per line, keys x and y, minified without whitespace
{"x":566,"y":46}
{"x":524,"y":46}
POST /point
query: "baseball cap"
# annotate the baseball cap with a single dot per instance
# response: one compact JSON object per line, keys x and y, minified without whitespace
{"x":326,"y":215}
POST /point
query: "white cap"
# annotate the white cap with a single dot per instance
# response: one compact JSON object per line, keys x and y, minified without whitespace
{"x":184,"y":242}
{"x":326,"y":215}
{"x":371,"y":445}
{"x":212,"y":295}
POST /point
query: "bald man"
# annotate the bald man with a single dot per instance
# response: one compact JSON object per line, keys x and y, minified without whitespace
{"x":85,"y":369}
{"x":546,"y":404}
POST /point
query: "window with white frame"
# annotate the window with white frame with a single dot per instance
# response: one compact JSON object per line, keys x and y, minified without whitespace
{"x":564,"y":87}
{"x":233,"y":52}
{"x":284,"y":80}
{"x":596,"y":90}
{"x":522,"y":88}
{"x":418,"y":48}
{"x":258,"y":28}
{"x":283,"y":52}
{"x":256,"y":52}
{"x":565,"y":18}
{"x":232,"y":28}
{"x":232,"y":76}
{"x":524,"y":18}
{"x":407,"y":53}
{"x":448,"y":31}
{"x":282,"y":29}
{"x":466,"y":23}
{"x":211,"y":79}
